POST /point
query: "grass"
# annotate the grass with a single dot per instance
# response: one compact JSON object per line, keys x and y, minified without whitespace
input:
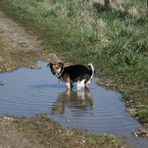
{"x":115,"y":41}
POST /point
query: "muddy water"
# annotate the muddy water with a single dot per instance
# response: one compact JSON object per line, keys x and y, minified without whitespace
{"x":27,"y":92}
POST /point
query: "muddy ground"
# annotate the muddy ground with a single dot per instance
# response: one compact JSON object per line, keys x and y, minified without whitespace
{"x":40,"y":132}
{"x":18,"y":48}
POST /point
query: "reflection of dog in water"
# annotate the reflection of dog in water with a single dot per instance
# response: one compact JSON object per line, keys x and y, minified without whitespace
{"x":79,"y":100}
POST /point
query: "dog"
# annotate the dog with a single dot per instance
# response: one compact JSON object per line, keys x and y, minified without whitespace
{"x":73,"y":73}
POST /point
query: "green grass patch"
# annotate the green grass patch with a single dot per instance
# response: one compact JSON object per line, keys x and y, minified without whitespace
{"x":143,"y":114}
{"x":114,"y":41}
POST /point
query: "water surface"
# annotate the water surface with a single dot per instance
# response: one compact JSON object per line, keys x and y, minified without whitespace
{"x":27,"y":92}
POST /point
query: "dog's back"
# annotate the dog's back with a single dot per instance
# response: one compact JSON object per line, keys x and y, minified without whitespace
{"x":79,"y":72}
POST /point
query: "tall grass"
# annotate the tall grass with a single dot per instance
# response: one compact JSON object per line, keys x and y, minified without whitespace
{"x":82,"y":31}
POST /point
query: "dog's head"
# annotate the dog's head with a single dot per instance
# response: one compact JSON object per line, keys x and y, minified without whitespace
{"x":56,"y":68}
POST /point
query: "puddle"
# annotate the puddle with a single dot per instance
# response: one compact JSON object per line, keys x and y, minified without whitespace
{"x":27,"y":92}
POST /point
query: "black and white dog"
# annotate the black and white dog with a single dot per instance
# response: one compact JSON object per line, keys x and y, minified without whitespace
{"x":73,"y":73}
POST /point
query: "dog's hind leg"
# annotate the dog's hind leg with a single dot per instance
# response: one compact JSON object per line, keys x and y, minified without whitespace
{"x":80,"y":84}
{"x":87,"y":84}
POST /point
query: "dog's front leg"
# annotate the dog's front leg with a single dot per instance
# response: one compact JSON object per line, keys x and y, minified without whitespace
{"x":68,"y":85}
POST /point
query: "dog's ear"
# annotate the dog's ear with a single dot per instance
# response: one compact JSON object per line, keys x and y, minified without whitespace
{"x":49,"y":64}
{"x":61,"y":64}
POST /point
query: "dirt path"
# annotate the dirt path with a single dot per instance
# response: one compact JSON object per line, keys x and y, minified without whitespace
{"x":12,"y":137}
{"x":17,"y":47}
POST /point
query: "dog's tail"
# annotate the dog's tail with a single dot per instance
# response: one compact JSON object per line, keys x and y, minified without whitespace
{"x":91,"y":68}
